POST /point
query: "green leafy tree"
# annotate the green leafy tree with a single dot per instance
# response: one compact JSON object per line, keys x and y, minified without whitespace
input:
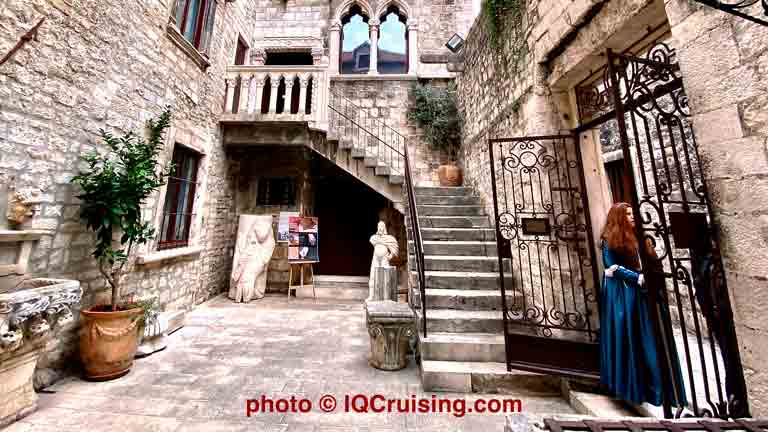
{"x":114,"y":188}
{"x":436,"y":111}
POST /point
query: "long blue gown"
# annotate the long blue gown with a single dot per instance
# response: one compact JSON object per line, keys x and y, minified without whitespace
{"x":628,"y":362}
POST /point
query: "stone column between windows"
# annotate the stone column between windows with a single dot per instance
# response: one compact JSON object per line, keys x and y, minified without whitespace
{"x":288,"y":94}
{"x":335,"y":48}
{"x":413,"y":57}
{"x":373,"y":65}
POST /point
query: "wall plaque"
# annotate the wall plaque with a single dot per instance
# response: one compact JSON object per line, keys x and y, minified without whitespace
{"x":536,"y":226}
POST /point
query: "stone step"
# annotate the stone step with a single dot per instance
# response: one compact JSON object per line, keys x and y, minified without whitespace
{"x":454,"y":248}
{"x":443,"y":191}
{"x":447,"y":200}
{"x":346,"y":143}
{"x":464,"y":280}
{"x":450,"y":210}
{"x":357,"y":153}
{"x":458,"y":234}
{"x":485,"y":377}
{"x":463,"y":347}
{"x":371,"y":162}
{"x":453,"y":221}
{"x":461,"y":299}
{"x":462,"y":321}
{"x":396,"y":179}
{"x":337,"y":287}
{"x":383,"y":170}
{"x":461,"y":263}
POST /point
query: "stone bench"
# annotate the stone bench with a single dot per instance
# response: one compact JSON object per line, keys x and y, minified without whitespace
{"x":391,"y":325}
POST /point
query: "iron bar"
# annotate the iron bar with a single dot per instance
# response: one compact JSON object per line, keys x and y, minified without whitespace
{"x":736,"y":7}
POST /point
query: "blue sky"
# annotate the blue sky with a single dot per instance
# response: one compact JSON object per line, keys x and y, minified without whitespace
{"x":391,"y":34}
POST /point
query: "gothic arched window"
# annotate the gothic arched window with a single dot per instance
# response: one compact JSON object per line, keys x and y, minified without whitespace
{"x":355,"y":42}
{"x":392,"y":55}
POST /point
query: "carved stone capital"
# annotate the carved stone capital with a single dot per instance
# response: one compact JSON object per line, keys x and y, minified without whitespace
{"x":32,"y":312}
{"x":391,"y":326}
{"x":22,"y":205}
{"x":258,"y":56}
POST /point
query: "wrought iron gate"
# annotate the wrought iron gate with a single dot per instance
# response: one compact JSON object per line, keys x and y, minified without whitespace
{"x":546,"y":255}
{"x":686,"y":289}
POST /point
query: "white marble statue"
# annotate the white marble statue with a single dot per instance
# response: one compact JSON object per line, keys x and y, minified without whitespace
{"x":385,"y":247}
{"x":255,"y":244}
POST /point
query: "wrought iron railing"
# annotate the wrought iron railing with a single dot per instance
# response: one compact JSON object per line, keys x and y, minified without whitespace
{"x":363,"y":132}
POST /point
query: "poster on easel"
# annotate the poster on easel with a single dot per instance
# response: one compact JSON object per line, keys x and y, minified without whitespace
{"x":283,"y":232}
{"x":302,"y":239}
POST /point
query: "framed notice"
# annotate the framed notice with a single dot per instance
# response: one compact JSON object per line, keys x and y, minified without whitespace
{"x":303,"y":238}
{"x":282,"y":226}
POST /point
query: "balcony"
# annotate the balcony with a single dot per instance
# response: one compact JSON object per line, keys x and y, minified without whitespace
{"x":277,"y":95}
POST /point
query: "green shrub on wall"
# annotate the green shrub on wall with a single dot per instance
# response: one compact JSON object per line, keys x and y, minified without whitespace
{"x":495,"y":13}
{"x":436,"y":111}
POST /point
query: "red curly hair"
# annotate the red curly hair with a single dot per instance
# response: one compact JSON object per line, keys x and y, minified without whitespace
{"x":619,"y":234}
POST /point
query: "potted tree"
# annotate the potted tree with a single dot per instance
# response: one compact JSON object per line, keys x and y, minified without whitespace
{"x":435,"y":110}
{"x":113,"y":188}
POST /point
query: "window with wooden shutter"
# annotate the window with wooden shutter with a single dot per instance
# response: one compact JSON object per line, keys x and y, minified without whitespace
{"x":194,"y":19}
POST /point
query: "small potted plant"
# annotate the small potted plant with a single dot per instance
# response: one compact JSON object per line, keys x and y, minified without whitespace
{"x":113,"y":188}
{"x":435,"y":110}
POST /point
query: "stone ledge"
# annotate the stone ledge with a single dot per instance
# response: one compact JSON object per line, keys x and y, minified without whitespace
{"x":382,"y":77}
{"x":25,"y":235}
{"x":191,"y":252}
{"x":183,"y":44}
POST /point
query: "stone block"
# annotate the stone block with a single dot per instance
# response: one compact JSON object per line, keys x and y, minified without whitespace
{"x":735,"y":159}
{"x":749,"y":295}
{"x":717,"y":126}
{"x":391,"y":326}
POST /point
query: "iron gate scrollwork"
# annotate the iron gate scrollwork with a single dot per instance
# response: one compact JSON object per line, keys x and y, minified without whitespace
{"x":546,"y":255}
{"x":686,"y":288}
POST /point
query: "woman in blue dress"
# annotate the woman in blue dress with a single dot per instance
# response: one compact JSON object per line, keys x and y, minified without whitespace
{"x":628,"y":359}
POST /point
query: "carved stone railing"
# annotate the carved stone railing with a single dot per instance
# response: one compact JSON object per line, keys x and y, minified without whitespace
{"x":277,"y":94}
{"x":29,"y":315}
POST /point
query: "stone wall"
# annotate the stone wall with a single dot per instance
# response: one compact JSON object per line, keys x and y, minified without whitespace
{"x":389,"y":101}
{"x":111,"y":64}
{"x":723,"y":61}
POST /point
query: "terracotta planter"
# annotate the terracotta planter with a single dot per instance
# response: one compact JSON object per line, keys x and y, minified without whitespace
{"x":108,"y":342}
{"x":449,"y":175}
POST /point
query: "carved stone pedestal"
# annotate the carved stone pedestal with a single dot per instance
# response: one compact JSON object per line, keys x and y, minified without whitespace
{"x":384,"y":284}
{"x":29,"y":316}
{"x":391,"y":325}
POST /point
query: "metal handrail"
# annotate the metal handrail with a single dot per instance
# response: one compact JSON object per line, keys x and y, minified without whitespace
{"x":354,"y":125}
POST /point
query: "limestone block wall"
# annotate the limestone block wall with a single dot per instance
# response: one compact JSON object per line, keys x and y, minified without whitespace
{"x":723,"y":60}
{"x":110,"y":64}
{"x":389,"y":100}
{"x":295,"y":18}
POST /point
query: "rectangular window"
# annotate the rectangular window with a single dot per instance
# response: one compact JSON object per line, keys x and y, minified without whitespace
{"x":179,"y":199}
{"x":195,"y":20}
{"x":276,"y":191}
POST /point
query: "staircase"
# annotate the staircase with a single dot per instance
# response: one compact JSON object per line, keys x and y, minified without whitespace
{"x":464,"y":347}
{"x":365,"y":147}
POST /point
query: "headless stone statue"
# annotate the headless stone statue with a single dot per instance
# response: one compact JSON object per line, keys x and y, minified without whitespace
{"x":385,"y":247}
{"x":255,"y":244}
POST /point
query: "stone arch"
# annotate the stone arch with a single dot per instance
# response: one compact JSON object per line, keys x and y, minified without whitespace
{"x":346,"y":5}
{"x":385,"y":6}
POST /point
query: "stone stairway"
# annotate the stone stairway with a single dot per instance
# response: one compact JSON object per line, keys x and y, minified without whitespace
{"x":464,"y":347}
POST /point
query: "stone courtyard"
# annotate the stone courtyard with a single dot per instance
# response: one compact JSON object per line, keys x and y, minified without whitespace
{"x":228,"y":353}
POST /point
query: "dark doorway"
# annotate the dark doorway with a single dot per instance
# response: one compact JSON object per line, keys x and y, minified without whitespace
{"x":348,"y":212}
{"x":619,"y":181}
{"x":289,"y":59}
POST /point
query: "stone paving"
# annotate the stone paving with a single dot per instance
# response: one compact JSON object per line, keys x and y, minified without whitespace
{"x":228,"y":353}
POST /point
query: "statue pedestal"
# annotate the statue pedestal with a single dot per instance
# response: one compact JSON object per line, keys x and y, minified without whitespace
{"x":384,"y":284}
{"x":391,"y":325}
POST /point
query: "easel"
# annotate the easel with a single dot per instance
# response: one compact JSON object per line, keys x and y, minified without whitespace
{"x":302,"y":264}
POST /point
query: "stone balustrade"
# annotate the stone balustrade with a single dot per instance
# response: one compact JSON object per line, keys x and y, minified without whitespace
{"x":277,"y":94}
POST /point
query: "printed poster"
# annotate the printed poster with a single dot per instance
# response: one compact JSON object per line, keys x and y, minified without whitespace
{"x":282,"y":226}
{"x":302,"y":238}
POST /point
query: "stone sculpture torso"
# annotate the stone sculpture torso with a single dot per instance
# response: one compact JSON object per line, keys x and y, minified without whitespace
{"x":255,"y":244}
